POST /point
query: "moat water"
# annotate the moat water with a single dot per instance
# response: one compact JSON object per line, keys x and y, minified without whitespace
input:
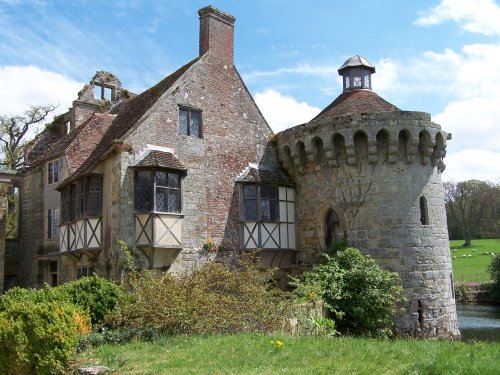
{"x":479,"y":322}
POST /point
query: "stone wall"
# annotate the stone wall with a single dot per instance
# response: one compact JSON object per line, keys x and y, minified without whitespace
{"x":234,"y":134}
{"x":372,"y":171}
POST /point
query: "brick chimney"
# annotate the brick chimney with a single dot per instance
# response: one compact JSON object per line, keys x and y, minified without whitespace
{"x":217,"y":34}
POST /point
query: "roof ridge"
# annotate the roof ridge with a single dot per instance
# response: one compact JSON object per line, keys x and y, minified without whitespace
{"x":128,"y":115}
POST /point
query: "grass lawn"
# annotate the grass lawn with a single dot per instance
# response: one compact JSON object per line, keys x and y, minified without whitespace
{"x":254,"y":354}
{"x":473,"y":268}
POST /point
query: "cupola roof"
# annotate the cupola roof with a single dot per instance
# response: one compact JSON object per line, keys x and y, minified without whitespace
{"x":356,"y":61}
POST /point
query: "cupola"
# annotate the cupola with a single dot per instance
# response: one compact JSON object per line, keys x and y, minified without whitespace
{"x":356,"y":73}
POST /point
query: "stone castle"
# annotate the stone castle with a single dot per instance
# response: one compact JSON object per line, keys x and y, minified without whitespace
{"x":189,"y":171}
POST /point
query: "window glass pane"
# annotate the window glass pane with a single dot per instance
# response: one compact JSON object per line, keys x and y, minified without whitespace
{"x":161,"y":199}
{"x":174,"y":201}
{"x":274,"y":210}
{"x":95,"y":184}
{"x":142,"y":198}
{"x":173,"y":180}
{"x":249,"y":191}
{"x":250,"y":207}
{"x":161,"y":178}
{"x":95,"y":204}
{"x":195,"y":123}
{"x":144,"y":178}
{"x":264,"y":191}
{"x":56,"y":171}
{"x":265,"y":210}
{"x":273,"y":192}
{"x":183,"y":122}
{"x":50,"y":173}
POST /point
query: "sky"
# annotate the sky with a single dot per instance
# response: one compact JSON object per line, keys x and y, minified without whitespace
{"x":441,"y":57}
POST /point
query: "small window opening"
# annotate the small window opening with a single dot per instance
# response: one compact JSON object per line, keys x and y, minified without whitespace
{"x":102,"y":92}
{"x":53,"y":273}
{"x":190,"y":122}
{"x":424,"y":219}
{"x":420,"y":313}
{"x":333,"y":231}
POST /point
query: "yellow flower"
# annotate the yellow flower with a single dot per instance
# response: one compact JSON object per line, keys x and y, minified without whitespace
{"x":279,"y":344}
{"x":272,"y":342}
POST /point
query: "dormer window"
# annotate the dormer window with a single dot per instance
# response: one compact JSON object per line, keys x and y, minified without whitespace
{"x":190,"y":122}
{"x":103,"y":92}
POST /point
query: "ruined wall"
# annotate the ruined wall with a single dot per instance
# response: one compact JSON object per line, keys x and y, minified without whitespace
{"x":32,"y":232}
{"x":372,"y":171}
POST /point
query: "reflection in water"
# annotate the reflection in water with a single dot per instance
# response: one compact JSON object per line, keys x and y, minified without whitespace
{"x":479,"y":322}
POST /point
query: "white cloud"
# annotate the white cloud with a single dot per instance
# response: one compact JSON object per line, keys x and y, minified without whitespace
{"x":283,"y":111}
{"x":478,"y":16}
{"x":23,"y":86}
{"x":472,"y":164}
{"x":301,"y":69}
{"x":473,"y":123}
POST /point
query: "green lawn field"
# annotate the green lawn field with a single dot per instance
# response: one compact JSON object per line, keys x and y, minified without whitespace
{"x":471,"y":263}
{"x":253,"y":354}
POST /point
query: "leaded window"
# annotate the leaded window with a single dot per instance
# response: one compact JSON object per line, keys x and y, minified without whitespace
{"x":157,"y":190}
{"x":260,"y":202}
{"x":53,"y":171}
{"x":52,"y":222}
{"x":82,"y":199}
{"x":190,"y":122}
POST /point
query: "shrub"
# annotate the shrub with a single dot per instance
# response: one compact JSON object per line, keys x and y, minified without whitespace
{"x":39,"y":337}
{"x":214,"y":299}
{"x":360,"y":297}
{"x":463,"y":293}
{"x":93,"y":294}
{"x":494,"y":287}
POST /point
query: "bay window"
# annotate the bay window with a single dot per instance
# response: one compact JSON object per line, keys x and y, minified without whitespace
{"x":158,"y":191}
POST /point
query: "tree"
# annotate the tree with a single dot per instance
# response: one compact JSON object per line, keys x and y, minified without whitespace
{"x":467,"y":202}
{"x":14,"y":132}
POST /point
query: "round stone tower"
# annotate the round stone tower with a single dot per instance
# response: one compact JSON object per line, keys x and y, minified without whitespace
{"x":370,"y":173}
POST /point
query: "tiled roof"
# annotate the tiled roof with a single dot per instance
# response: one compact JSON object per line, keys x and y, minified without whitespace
{"x":86,"y":140}
{"x":264,"y":176}
{"x":41,"y":144}
{"x":161,"y":159}
{"x":128,"y":115}
{"x":78,"y":144}
{"x":356,"y":102}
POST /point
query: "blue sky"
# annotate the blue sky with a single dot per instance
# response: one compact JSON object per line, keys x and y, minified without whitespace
{"x":437,"y":56}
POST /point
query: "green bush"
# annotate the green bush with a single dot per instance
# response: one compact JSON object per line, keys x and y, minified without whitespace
{"x":494,"y":288}
{"x":359,"y":296}
{"x":214,"y":299}
{"x":39,"y":337}
{"x":463,"y":293}
{"x":92,"y":294}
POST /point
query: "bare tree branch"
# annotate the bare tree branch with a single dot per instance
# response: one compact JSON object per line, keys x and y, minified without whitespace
{"x":13,"y":134}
